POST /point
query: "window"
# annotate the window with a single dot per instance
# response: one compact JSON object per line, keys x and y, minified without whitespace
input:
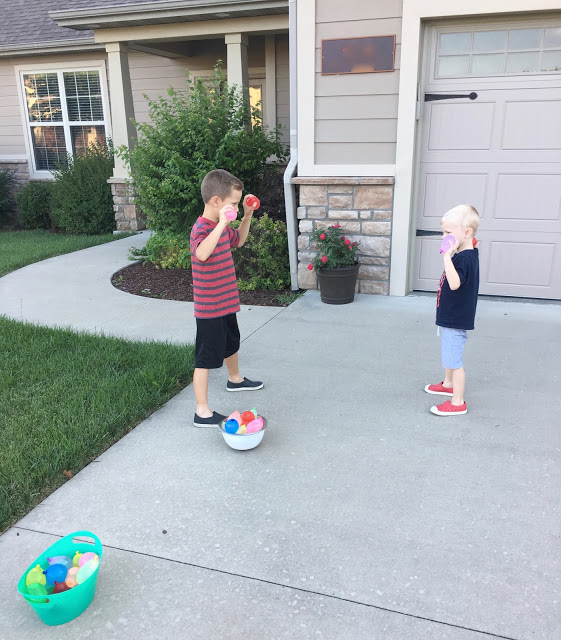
{"x":64,"y":113}
{"x":358,"y":55}
{"x":499,"y":52}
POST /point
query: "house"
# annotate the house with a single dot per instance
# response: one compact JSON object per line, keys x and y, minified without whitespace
{"x":399,"y":109}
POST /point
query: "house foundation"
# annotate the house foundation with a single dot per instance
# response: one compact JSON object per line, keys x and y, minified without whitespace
{"x":363,"y":207}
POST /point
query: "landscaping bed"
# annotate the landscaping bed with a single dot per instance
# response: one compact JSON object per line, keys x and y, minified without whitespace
{"x":145,"y":279}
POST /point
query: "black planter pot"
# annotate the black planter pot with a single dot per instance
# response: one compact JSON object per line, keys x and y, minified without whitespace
{"x":337,"y":286}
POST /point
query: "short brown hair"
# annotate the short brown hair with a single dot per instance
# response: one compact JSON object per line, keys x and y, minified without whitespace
{"x":219,"y":183}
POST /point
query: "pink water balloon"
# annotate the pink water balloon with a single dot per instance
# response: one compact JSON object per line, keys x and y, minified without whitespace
{"x":255,"y":425}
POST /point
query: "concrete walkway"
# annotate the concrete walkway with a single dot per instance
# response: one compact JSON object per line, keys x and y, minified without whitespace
{"x":360,"y":516}
{"x":74,"y":290}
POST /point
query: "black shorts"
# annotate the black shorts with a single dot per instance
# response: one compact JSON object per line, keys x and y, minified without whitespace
{"x":217,"y":339}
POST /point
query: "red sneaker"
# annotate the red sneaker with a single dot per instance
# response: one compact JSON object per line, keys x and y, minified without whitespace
{"x":439,"y":389}
{"x":449,"y":409}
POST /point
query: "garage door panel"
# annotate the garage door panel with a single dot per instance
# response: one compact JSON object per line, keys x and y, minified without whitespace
{"x":442,"y":191}
{"x":428,"y":267}
{"x":521,"y":263}
{"x":532,"y":125}
{"x":476,"y":130}
{"x":533,"y":198}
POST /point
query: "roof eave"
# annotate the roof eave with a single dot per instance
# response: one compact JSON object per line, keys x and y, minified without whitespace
{"x":166,"y":11}
{"x":56,"y":46}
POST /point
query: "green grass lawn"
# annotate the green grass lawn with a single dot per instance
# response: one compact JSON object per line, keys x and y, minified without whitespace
{"x":20,"y":248}
{"x":65,"y":397}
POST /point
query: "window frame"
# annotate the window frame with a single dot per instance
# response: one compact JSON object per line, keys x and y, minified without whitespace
{"x":59,"y":68}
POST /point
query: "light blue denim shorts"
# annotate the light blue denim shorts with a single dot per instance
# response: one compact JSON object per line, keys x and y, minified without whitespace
{"x":452,"y":343}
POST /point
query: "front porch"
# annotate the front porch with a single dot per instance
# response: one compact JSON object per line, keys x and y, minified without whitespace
{"x":147,"y":53}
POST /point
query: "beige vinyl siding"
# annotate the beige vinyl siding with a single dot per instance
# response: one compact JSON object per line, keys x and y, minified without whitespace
{"x":283,"y":87}
{"x":356,"y":114}
{"x":12,"y":142}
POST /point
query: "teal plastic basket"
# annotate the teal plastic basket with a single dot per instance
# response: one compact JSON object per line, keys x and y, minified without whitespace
{"x":59,"y":608}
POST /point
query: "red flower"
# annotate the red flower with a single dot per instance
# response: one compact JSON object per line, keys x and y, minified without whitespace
{"x":311,"y":267}
{"x":324,"y":259}
{"x":342,"y":237}
{"x":354,"y":244}
{"x":322,"y":236}
{"x":350,"y":247}
{"x":337,"y":226}
{"x":347,"y":242}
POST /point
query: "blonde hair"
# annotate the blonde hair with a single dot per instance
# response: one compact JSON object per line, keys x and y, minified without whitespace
{"x":463,"y":214}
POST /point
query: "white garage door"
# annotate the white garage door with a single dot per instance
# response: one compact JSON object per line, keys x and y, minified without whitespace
{"x":491,"y":123}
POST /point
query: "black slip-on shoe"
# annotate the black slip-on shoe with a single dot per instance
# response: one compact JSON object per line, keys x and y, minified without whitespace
{"x":246,"y":385}
{"x":214,"y":420}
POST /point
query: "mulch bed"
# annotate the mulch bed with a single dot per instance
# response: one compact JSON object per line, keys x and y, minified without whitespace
{"x":144,"y":279}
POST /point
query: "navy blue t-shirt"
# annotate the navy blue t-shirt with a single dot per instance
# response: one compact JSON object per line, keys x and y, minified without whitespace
{"x":456,"y":309}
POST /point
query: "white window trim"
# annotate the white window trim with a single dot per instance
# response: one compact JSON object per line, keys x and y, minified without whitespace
{"x":21,"y":70}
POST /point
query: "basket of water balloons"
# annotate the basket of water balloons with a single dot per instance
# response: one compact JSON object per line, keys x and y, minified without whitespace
{"x":243,"y":431}
{"x":60,"y":584}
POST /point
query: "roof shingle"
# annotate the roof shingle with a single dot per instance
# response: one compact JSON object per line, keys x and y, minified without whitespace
{"x":28,"y":22}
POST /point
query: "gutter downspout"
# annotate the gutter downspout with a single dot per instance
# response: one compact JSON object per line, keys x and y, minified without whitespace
{"x":290,"y":171}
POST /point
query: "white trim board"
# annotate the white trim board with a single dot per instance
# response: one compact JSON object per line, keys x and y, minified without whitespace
{"x":305,"y":37}
{"x":414,"y":13}
{"x":350,"y":170}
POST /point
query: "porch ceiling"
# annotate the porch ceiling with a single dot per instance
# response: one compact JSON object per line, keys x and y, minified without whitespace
{"x":163,"y":12}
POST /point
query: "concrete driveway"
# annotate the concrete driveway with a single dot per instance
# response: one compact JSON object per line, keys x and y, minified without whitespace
{"x":360,"y":516}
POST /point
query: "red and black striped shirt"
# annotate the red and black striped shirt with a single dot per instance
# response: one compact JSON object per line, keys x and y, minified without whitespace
{"x":215,"y":287}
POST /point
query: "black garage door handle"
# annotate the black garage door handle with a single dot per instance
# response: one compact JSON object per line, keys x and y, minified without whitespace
{"x":429,"y":97}
{"x":426,"y":232}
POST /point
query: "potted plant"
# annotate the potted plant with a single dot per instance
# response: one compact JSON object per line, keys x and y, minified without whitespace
{"x":336,"y":265}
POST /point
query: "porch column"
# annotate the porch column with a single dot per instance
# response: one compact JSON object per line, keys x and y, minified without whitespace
{"x":236,"y":44}
{"x":128,"y":216}
{"x":122,"y":108}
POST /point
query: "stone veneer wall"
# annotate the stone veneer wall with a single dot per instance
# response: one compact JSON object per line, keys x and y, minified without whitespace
{"x":363,"y":208}
{"x":127,"y":214}
{"x":20,"y":170}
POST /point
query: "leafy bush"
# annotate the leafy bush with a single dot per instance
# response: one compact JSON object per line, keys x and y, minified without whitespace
{"x":207,"y":127}
{"x":82,"y":200}
{"x":34,"y":205}
{"x":262,"y":263}
{"x":6,"y":182}
{"x":166,"y":250}
{"x":270,"y":191}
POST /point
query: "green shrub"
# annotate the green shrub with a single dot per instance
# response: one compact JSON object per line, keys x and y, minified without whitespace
{"x":6,"y":182}
{"x":166,"y":250}
{"x":34,"y":205}
{"x":207,"y":127}
{"x":262,"y":263}
{"x":82,"y":200}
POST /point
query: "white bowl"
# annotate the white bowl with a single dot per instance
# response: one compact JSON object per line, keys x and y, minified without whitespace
{"x":243,"y":441}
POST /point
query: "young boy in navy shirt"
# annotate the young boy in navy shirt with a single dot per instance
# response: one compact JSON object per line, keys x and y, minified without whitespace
{"x":456,"y":303}
{"x":215,"y":290}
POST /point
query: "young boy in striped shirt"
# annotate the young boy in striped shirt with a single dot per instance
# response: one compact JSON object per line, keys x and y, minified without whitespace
{"x":215,"y":290}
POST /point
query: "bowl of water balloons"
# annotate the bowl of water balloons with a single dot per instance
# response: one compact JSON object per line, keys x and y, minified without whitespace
{"x":243,"y":431}
{"x":60,"y":584}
